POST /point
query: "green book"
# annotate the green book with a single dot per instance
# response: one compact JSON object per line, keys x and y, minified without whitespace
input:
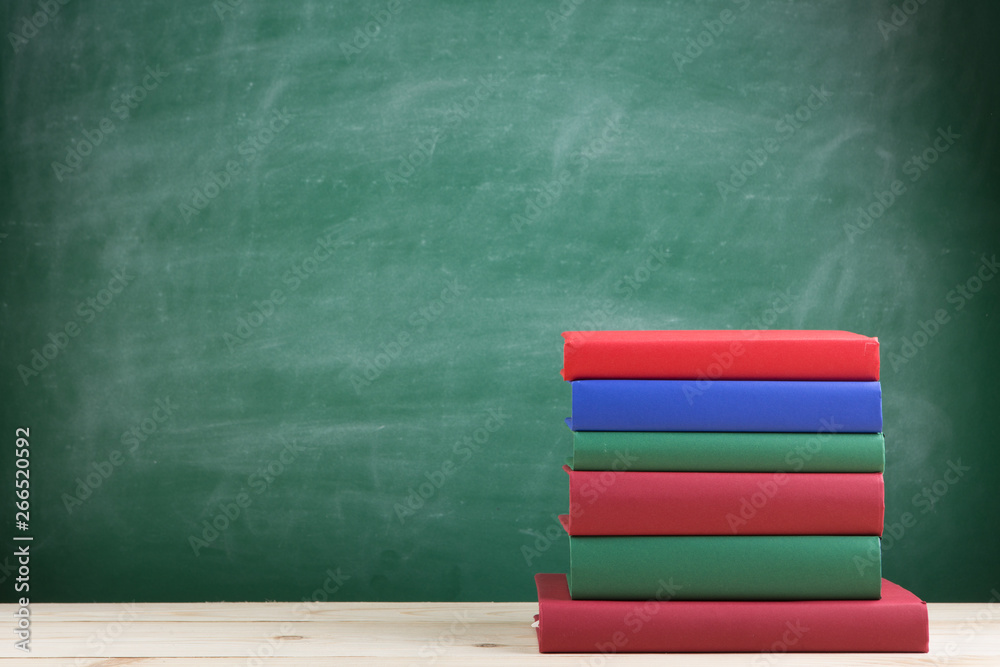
{"x":770,"y":567}
{"x":728,"y":452}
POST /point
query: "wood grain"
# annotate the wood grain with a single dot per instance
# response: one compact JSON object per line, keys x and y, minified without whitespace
{"x":283,"y":634}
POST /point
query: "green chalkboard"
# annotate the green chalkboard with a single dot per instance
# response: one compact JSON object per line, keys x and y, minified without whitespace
{"x":283,"y":283}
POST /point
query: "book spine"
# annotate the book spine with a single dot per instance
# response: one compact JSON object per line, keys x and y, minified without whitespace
{"x":774,"y":567}
{"x":666,"y":625}
{"x":719,"y":355}
{"x":729,"y":452}
{"x":724,"y":503}
{"x":756,"y":406}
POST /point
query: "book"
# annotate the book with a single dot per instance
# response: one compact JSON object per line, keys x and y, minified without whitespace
{"x":612,"y":502}
{"x":726,"y":567}
{"x":720,"y":355}
{"x":728,"y":452}
{"x":727,"y":405}
{"x":897,"y":622}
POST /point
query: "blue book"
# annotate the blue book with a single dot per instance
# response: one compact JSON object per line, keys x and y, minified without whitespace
{"x":727,"y":405}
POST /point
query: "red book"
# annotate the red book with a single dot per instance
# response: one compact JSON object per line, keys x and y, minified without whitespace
{"x":724,"y":503}
{"x":719,"y":355}
{"x":896,"y":623}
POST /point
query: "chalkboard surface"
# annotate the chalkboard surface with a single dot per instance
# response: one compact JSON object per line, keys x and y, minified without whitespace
{"x":283,"y":283}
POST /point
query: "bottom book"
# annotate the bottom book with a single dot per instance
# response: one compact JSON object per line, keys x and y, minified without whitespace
{"x":896,"y":623}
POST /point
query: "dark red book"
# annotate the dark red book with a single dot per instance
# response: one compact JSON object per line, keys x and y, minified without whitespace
{"x":720,"y":355}
{"x":724,"y":503}
{"x":895,"y":623}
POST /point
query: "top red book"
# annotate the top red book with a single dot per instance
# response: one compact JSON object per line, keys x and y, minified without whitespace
{"x":720,"y":355}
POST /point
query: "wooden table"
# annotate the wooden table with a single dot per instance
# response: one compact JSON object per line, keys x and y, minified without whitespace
{"x":284,"y":634}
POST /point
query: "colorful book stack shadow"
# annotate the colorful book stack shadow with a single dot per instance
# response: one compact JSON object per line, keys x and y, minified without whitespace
{"x":726,"y":495}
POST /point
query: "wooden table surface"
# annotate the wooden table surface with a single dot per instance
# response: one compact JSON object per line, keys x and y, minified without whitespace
{"x":366,"y":633}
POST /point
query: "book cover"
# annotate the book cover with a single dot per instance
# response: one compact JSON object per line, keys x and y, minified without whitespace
{"x":726,"y":567}
{"x":727,"y":405}
{"x":720,"y":355}
{"x":610,"y":502}
{"x":728,"y":452}
{"x":897,"y":622}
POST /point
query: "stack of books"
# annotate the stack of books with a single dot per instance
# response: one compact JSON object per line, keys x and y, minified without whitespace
{"x":726,"y":495}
